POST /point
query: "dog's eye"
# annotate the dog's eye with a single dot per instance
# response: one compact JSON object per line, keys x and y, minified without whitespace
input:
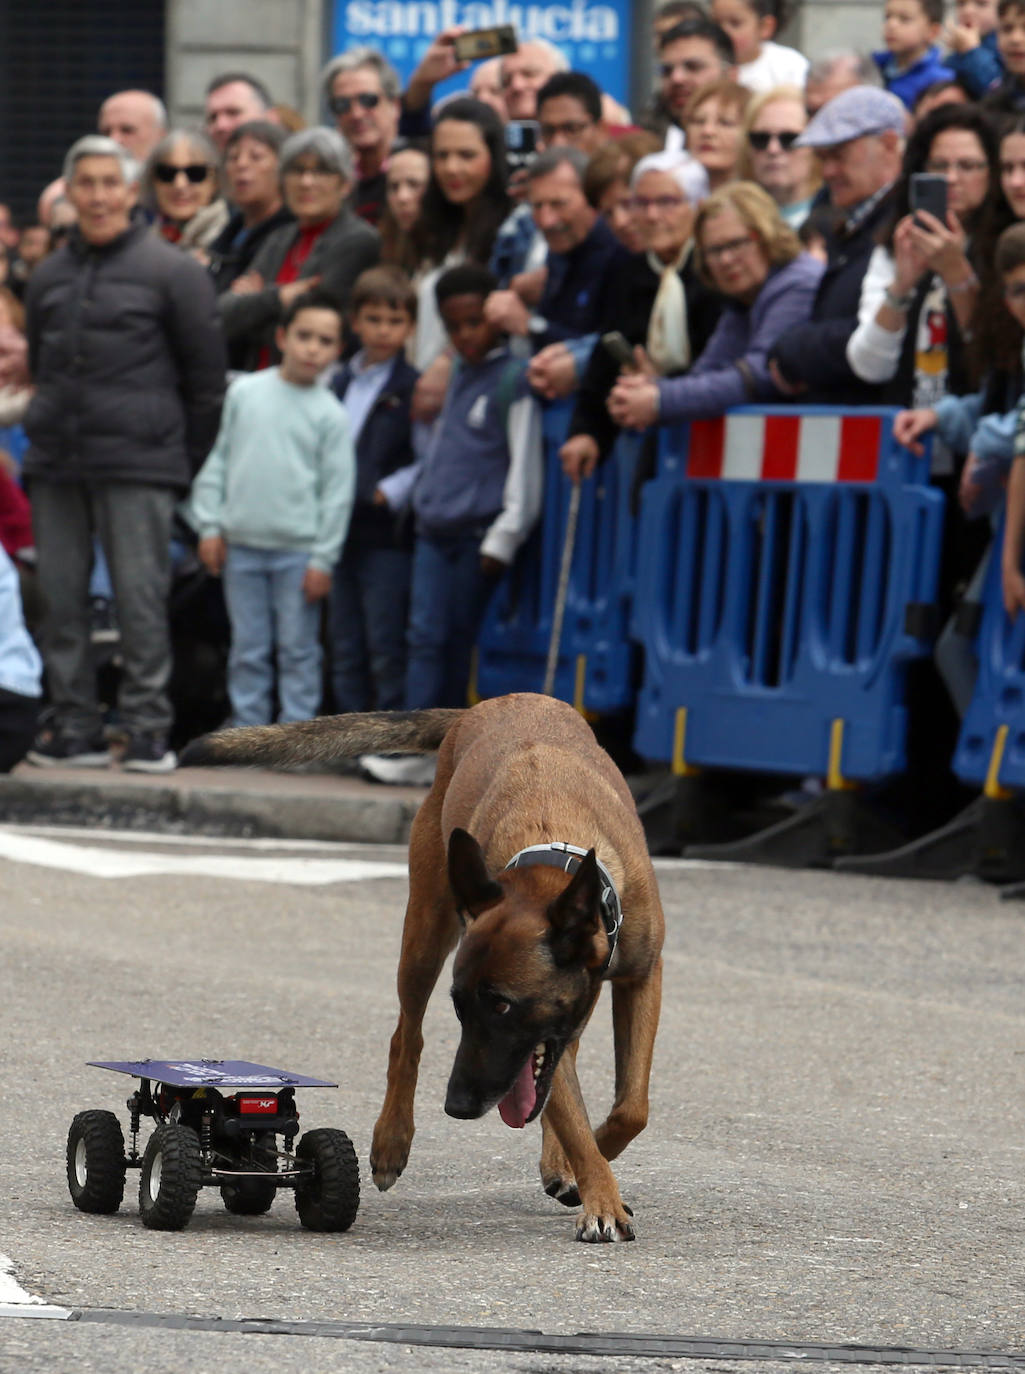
{"x":501,"y":1008}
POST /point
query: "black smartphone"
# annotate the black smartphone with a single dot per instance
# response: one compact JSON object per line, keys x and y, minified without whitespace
{"x":619,"y":346}
{"x":929,"y":192}
{"x":480,"y":43}
{"x":521,"y":139}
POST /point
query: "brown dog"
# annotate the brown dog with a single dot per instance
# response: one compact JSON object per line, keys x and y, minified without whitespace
{"x":516,"y":773}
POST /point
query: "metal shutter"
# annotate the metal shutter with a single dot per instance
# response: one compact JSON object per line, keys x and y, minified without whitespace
{"x":59,"y":60}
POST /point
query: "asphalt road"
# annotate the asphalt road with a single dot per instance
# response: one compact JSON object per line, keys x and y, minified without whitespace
{"x":835,"y":1155}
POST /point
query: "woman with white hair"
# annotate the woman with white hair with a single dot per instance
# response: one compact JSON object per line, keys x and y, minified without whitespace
{"x":327,"y":246}
{"x":661,"y":305}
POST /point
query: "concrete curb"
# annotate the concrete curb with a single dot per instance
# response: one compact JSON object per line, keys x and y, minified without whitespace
{"x":367,"y":815}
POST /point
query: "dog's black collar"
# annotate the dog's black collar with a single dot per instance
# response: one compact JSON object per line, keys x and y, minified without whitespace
{"x":567,"y":857}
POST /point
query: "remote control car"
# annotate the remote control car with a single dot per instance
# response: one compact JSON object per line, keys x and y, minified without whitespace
{"x":217,"y":1125}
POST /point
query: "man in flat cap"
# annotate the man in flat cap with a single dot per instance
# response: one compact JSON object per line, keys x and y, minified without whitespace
{"x":859,"y":136}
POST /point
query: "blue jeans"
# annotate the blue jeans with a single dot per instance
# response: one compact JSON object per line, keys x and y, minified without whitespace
{"x":369,"y":611}
{"x":449,"y":597}
{"x":271,"y":620}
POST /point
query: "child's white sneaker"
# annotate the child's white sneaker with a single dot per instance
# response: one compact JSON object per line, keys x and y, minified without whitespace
{"x":411,"y":770}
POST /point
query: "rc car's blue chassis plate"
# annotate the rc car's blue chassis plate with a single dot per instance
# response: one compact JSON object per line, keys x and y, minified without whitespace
{"x":212,"y":1073}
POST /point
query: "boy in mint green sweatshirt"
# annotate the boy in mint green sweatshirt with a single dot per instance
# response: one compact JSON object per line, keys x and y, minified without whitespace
{"x":271,"y":505}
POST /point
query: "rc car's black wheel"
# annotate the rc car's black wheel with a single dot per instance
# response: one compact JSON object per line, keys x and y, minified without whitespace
{"x":96,"y":1162}
{"x":172,"y":1175}
{"x":248,"y":1197}
{"x":327,"y":1199}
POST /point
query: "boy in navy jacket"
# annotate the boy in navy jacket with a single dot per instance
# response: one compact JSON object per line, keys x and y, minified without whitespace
{"x":370,"y":592}
{"x":476,"y":498}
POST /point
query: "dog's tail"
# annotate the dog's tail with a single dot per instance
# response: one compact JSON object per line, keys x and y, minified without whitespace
{"x":323,"y":740}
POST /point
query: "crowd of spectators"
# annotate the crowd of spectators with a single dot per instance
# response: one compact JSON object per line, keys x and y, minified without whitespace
{"x":308,"y":364}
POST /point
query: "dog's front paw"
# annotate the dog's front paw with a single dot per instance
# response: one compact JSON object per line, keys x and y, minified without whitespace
{"x":605,"y":1227}
{"x":389,"y":1155}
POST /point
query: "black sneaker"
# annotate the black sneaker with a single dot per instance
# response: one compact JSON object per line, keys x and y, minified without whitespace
{"x":54,"y":749}
{"x":149,"y":754}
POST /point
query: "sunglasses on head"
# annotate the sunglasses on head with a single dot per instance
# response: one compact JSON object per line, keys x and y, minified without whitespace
{"x":342,"y":104}
{"x":195,"y":171}
{"x":759,"y":140}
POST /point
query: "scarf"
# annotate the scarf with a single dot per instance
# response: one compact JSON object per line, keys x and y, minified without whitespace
{"x":668,"y":341}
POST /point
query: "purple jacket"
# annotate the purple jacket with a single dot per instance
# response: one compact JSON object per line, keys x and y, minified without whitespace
{"x":733,"y":369}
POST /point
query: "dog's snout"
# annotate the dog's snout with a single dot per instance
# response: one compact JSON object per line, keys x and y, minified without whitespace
{"x":463,"y":1104}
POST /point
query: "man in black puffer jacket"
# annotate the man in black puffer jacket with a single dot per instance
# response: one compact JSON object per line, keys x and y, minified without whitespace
{"x":127,"y":357}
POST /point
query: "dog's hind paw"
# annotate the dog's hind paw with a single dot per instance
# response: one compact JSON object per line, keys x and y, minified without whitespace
{"x":562,"y":1190}
{"x":604,"y":1229}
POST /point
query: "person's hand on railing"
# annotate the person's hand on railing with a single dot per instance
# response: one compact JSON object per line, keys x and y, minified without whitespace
{"x":784,"y":387}
{"x":552,"y":372}
{"x":910,"y":425}
{"x":633,"y":401}
{"x":579,"y":456}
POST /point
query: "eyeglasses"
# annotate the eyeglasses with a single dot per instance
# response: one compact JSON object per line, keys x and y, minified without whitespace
{"x":572,"y":128}
{"x":663,"y":204}
{"x":342,"y":104}
{"x":965,"y":165}
{"x":318,"y":173}
{"x":168,"y":172}
{"x":1015,"y":291}
{"x":713,"y":251}
{"x":760,"y":140}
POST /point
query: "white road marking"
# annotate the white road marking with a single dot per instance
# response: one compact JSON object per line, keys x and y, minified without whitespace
{"x":257,"y":842}
{"x":15,"y":1302}
{"x":115,"y":863}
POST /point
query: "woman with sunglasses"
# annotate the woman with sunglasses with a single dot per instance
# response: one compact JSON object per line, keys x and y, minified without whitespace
{"x":180,"y":185}
{"x":790,"y":175}
{"x":327,"y":245}
{"x":745,"y":251}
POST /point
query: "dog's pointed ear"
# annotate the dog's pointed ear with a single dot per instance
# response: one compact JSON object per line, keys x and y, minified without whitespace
{"x":475,"y":889}
{"x":575,"y":916}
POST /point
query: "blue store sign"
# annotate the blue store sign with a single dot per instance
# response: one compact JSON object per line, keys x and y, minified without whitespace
{"x":594,"y":37}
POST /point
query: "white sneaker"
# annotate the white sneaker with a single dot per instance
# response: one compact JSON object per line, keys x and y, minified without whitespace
{"x":415,"y":770}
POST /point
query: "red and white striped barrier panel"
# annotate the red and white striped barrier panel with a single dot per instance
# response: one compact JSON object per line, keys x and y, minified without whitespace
{"x":786,"y":448}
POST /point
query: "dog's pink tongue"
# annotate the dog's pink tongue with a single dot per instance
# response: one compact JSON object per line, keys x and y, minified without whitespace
{"x":518,"y":1102}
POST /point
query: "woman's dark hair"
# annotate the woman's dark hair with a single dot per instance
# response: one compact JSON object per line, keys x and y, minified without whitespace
{"x":441,"y":224}
{"x":997,"y":335}
{"x":964,"y":118}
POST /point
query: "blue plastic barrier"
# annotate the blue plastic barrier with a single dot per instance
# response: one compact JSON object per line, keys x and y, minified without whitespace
{"x":990,"y":749}
{"x":596,"y":668}
{"x":779,"y":555}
